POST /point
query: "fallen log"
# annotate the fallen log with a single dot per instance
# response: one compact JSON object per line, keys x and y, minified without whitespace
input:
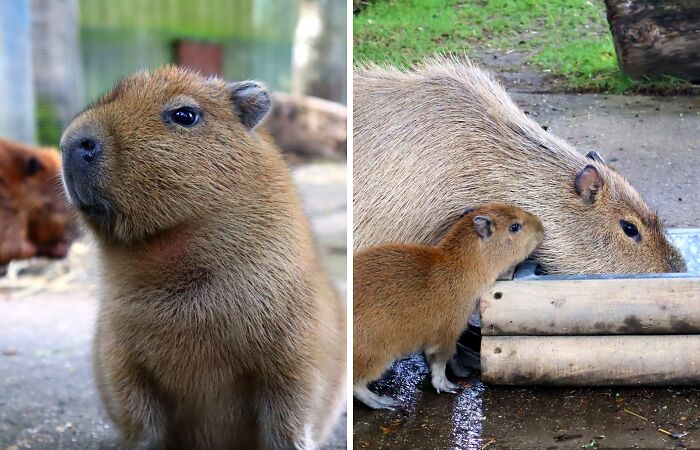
{"x":656,"y":37}
{"x":307,"y":128}
{"x":643,"y":305}
{"x":591,"y":360}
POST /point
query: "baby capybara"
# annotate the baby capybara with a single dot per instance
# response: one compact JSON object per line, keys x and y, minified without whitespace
{"x":409,"y":298}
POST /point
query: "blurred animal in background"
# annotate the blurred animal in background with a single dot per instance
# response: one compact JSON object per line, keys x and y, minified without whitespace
{"x":34,"y":217}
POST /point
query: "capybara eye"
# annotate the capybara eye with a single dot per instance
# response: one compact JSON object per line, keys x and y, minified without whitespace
{"x":515,"y":227}
{"x":185,"y":116}
{"x":630,"y":230}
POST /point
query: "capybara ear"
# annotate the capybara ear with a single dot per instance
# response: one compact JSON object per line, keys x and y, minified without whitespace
{"x":466,"y":211}
{"x":482,"y":225}
{"x":32,"y":167}
{"x":595,"y":156}
{"x":252,"y":101}
{"x":588,"y":183}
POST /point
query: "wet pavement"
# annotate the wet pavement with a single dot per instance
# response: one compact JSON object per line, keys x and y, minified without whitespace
{"x":655,"y":143}
{"x":47,"y":396}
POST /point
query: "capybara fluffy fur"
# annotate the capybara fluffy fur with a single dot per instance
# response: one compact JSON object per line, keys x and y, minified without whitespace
{"x":409,"y":297}
{"x":217,"y":326}
{"x":444,"y":134}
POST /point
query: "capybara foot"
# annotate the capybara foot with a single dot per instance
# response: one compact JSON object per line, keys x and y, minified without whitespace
{"x":374,"y":401}
{"x":442,"y":384}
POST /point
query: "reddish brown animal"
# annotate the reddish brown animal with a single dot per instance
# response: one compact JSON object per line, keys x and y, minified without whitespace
{"x":34,"y":214}
{"x":409,"y":298}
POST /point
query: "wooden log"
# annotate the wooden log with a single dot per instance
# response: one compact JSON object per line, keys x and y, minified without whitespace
{"x":656,"y":37}
{"x":654,"y":305}
{"x":591,"y":360}
{"x":308,"y":128}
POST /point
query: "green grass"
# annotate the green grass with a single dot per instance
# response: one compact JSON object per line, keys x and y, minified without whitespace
{"x":567,"y":39}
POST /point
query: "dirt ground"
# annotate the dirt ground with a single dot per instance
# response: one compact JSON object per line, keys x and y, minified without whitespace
{"x":655,"y":143}
{"x":47,"y":396}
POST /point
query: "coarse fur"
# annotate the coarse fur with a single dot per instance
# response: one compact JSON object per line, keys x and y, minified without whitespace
{"x":409,"y":297}
{"x":218,"y":327}
{"x":445,"y":134}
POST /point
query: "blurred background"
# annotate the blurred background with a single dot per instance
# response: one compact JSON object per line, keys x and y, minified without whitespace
{"x":56,"y":56}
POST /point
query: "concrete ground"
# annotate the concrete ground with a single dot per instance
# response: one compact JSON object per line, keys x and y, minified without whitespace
{"x":47,"y":396}
{"x":655,"y":143}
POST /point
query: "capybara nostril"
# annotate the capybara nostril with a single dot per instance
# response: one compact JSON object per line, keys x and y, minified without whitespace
{"x":88,"y":148}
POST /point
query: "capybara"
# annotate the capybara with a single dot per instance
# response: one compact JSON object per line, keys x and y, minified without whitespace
{"x":218,"y":327}
{"x":445,"y":134}
{"x":410,"y":297}
{"x":33,"y":211}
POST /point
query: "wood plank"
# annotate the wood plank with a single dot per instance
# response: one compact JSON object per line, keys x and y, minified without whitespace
{"x":591,"y":360}
{"x":656,"y":37}
{"x":592,"y":307}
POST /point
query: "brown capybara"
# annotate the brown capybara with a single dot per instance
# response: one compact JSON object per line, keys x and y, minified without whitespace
{"x":409,"y":297}
{"x":445,"y":134}
{"x":34,"y":214}
{"x":217,"y":327}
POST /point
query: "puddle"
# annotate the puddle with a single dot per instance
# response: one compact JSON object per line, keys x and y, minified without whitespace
{"x":427,"y":419}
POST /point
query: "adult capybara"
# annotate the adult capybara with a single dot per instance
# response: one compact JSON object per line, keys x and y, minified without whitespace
{"x":218,"y":327}
{"x":409,"y":297}
{"x":33,"y":212}
{"x":429,"y":140}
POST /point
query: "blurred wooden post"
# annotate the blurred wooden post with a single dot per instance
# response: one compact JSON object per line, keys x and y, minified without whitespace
{"x":58,"y":66}
{"x":16,"y":87}
{"x":656,"y":37}
{"x":204,"y":57}
{"x":319,"y":52}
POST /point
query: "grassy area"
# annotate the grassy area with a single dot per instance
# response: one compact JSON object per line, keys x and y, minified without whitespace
{"x":567,"y":39}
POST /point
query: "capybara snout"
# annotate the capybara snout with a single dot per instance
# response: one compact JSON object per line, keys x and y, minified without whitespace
{"x":82,"y":154}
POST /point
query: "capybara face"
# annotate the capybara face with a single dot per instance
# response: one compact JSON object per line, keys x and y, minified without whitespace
{"x":619,"y":225}
{"x":159,"y":149}
{"x":510,"y":234}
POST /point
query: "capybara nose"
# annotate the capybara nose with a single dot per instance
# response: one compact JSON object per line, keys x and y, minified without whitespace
{"x":87,"y":148}
{"x":82,"y":151}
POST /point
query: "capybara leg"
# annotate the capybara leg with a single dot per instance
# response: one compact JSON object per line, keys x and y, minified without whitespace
{"x":283,"y":415}
{"x":437,"y":359}
{"x":362,"y":393}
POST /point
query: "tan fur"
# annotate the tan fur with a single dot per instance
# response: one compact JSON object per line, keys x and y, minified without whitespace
{"x":218,"y":327}
{"x":410,"y":297}
{"x":429,"y":140}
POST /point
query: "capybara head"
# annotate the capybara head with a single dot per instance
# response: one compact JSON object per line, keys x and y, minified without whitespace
{"x":506,"y":234}
{"x":160,"y":149}
{"x":445,"y":134}
{"x":30,"y":191}
{"x":618,"y":225}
